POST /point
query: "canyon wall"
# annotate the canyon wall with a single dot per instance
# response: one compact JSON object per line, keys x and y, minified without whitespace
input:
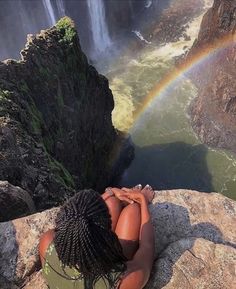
{"x":213,"y":112}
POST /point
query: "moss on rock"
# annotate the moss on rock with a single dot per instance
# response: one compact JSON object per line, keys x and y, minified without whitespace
{"x":66,"y":27}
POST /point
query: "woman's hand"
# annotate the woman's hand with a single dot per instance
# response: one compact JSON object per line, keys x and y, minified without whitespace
{"x":134,"y":195}
{"x":121,"y":195}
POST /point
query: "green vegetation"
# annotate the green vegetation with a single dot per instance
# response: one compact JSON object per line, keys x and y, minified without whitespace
{"x":36,"y":118}
{"x":4,"y":94}
{"x":4,"y":102}
{"x":67,"y":27}
{"x":60,"y":99}
{"x":62,"y":174}
{"x":48,"y":142}
{"x":44,"y":72}
{"x":23,"y":87}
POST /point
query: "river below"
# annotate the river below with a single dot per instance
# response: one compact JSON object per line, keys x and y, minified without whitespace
{"x":168,"y":154}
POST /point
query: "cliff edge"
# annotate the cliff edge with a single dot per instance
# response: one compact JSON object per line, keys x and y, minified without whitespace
{"x":195,"y":243}
{"x":56,"y":132}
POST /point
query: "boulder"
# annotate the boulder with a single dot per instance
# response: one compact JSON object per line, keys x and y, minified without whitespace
{"x":14,"y":202}
{"x":195,"y":242}
{"x":19,"y":241}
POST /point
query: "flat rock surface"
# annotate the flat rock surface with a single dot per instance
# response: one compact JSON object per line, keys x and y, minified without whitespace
{"x":195,"y":242}
{"x":195,"y":263}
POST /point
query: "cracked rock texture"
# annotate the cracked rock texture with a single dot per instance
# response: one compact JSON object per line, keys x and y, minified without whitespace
{"x":213,"y":112}
{"x":195,"y":243}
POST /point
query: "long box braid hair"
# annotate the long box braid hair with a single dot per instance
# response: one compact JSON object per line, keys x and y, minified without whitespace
{"x":85,"y":241}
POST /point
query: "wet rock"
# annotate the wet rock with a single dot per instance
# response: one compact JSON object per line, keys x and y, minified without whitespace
{"x":14,"y":202}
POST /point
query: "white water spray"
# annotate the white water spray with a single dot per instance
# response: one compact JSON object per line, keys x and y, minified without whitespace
{"x":49,"y":10}
{"x":61,"y":8}
{"x":99,"y":29}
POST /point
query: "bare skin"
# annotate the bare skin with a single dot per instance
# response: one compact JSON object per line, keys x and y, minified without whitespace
{"x":131,"y":222}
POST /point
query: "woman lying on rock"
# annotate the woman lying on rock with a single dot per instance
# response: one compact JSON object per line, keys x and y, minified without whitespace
{"x":100,"y":241}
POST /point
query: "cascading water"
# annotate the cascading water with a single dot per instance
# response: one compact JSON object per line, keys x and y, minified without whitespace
{"x":50,"y":12}
{"x":61,"y":8}
{"x":99,"y":28}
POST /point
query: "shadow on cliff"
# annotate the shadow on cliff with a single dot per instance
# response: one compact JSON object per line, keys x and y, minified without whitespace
{"x":175,"y":235}
{"x":170,"y":166}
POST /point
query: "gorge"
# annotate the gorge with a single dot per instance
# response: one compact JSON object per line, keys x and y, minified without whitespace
{"x":163,"y":114}
{"x":163,"y":134}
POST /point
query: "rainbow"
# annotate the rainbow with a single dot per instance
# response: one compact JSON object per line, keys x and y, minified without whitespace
{"x":196,"y":59}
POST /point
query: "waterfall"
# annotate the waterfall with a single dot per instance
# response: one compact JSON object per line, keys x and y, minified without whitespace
{"x":99,"y":29}
{"x":50,"y":12}
{"x":131,"y":8}
{"x":61,"y":8}
{"x":26,"y":24}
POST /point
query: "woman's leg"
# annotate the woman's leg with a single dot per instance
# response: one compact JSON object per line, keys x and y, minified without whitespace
{"x":115,"y":207}
{"x":128,"y":228}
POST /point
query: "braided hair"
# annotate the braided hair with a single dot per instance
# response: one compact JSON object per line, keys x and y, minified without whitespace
{"x":84,"y":239}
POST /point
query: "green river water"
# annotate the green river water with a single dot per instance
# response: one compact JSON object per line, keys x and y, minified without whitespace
{"x":168,"y":154}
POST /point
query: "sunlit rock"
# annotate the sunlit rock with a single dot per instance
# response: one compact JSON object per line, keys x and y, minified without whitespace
{"x":195,"y":240}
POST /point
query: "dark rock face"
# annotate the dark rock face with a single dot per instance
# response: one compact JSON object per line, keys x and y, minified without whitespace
{"x":169,"y":20}
{"x":213,"y":112}
{"x":56,"y":133}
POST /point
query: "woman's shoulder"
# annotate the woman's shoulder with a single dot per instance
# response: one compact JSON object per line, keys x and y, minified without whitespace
{"x":45,"y":240}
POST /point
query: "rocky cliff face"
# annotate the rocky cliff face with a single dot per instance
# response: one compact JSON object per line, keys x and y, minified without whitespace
{"x":195,"y":243}
{"x":169,"y":20}
{"x":56,"y":132}
{"x":213,"y":112}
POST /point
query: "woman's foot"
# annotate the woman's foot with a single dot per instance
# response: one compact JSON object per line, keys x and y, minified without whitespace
{"x":147,"y":191}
